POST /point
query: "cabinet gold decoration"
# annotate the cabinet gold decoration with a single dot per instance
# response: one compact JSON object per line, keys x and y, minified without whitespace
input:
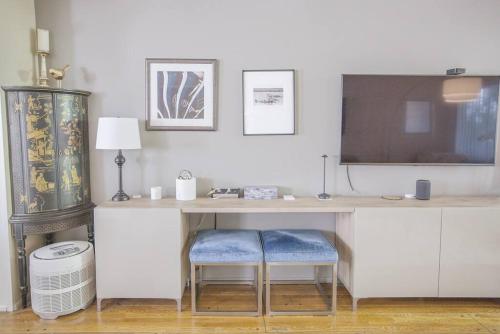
{"x":49,"y":165}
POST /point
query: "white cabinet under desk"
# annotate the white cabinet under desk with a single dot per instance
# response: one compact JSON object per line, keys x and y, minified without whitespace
{"x":396,"y":252}
{"x":425,"y":251}
{"x":445,"y":247}
{"x":140,"y":253}
{"x":470,"y":253}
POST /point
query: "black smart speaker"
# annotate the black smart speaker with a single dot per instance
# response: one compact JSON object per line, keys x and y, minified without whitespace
{"x":423,"y":190}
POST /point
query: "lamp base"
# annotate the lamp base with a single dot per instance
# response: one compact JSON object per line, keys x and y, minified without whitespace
{"x":324,"y":196}
{"x":120,"y":196}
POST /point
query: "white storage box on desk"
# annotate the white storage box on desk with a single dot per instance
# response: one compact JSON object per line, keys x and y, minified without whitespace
{"x":62,"y":277}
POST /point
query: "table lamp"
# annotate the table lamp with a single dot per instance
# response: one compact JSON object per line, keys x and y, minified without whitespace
{"x":115,"y":133}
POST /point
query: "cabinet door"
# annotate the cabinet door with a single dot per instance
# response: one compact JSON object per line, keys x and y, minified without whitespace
{"x":85,"y":154}
{"x":38,"y":146}
{"x":396,"y":252}
{"x":70,"y":149}
{"x":470,"y":253}
{"x":138,"y":252}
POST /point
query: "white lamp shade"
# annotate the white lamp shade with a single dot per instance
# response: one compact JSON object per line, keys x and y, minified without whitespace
{"x":116,"y":133}
{"x":461,"y":89}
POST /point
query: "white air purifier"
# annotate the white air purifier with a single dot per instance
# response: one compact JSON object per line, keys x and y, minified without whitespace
{"x":62,"y":277}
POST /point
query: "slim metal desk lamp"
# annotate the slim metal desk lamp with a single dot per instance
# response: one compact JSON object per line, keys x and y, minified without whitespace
{"x":324,"y":195}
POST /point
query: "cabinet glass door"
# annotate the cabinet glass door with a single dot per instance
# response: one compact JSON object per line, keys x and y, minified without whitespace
{"x":69,"y":110}
{"x":39,"y":146}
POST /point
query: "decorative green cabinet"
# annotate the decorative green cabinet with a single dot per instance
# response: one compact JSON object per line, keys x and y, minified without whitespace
{"x":49,"y":164}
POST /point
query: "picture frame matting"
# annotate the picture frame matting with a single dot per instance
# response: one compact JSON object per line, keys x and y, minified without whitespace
{"x":269,"y":105}
{"x":181,"y":94}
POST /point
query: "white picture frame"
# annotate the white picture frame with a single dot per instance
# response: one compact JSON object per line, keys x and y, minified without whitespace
{"x":268,"y":102}
{"x":181,"y":94}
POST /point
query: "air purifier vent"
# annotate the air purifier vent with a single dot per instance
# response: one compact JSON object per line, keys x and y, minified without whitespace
{"x":62,"y":278}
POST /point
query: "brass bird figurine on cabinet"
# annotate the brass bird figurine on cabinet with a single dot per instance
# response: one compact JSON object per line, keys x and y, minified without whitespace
{"x":59,"y":74}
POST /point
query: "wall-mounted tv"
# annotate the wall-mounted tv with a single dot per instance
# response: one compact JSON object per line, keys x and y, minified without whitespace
{"x":419,"y":119}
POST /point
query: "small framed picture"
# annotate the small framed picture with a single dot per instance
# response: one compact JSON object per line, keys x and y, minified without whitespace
{"x":181,"y":94}
{"x":269,"y":102}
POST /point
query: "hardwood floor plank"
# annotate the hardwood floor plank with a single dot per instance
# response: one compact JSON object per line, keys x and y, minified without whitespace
{"x":489,"y":320}
{"x":373,"y":316}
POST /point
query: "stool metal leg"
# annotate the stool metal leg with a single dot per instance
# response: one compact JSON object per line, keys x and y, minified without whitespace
{"x":268,"y":289}
{"x":259,"y":288}
{"x":200,"y":269}
{"x":255,"y":277}
{"x":334,"y":288}
{"x":193,"y":288}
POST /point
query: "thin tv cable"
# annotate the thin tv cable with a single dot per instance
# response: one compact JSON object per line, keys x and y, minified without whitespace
{"x":349,"y":179}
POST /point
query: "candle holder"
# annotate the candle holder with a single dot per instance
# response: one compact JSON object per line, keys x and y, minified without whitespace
{"x":43,"y":80}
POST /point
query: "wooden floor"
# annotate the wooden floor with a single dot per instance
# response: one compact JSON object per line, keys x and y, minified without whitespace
{"x":373,"y":315}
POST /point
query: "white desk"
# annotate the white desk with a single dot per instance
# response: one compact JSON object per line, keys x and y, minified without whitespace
{"x":445,"y":247}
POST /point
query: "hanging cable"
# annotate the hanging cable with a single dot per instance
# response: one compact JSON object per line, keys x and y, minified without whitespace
{"x":349,"y":178}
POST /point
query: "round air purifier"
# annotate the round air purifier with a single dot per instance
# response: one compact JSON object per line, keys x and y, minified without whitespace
{"x":62,"y":277}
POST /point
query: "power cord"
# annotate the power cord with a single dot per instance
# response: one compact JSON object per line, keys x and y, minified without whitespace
{"x":349,"y":179}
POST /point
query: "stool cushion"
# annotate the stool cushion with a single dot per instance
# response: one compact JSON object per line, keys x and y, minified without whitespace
{"x":226,"y":246}
{"x":297,"y":246}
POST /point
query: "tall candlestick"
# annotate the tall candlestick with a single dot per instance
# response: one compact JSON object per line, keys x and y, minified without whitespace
{"x":43,"y":80}
{"x":42,"y":49}
{"x":43,"y":44}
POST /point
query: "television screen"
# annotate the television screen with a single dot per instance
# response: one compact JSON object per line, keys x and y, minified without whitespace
{"x":413,"y":119}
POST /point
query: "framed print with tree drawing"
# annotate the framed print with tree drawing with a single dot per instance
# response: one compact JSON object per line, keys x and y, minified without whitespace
{"x":269,"y":102}
{"x":181,"y":94}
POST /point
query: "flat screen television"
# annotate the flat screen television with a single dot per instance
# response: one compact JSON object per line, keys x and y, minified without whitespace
{"x":419,"y":119}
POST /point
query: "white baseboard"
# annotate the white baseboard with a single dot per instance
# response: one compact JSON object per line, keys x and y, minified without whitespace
{"x":17,"y":306}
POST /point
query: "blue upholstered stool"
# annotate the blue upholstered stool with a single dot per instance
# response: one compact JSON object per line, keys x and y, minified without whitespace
{"x":226,"y":248}
{"x":298,"y":248}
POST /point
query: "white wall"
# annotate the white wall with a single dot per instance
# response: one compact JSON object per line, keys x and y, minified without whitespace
{"x":17,"y":21}
{"x":106,"y":42}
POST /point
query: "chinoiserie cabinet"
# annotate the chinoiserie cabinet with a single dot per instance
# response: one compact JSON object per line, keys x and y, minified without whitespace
{"x":49,"y":165}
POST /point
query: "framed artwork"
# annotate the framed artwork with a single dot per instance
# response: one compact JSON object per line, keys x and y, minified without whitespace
{"x":181,"y":94}
{"x":269,"y":102}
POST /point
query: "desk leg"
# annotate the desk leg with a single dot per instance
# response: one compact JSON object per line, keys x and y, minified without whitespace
{"x":355,"y":304}
{"x":21,"y":262}
{"x":99,"y":304}
{"x":179,"y":305}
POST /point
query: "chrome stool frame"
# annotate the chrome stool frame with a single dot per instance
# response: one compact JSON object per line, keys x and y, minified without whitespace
{"x":195,"y":293}
{"x":333,"y":304}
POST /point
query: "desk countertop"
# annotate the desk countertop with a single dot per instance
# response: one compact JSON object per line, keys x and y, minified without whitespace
{"x":303,"y":204}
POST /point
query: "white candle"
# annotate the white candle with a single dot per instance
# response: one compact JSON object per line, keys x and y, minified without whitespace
{"x":155,"y":193}
{"x":42,"y":40}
